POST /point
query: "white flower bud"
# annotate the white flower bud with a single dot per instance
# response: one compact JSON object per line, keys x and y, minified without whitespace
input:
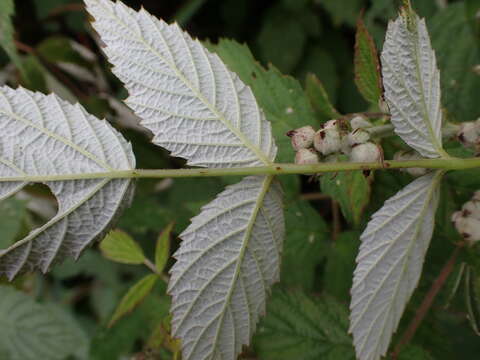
{"x":471,"y":209}
{"x":368,"y":152}
{"x":469,"y":133}
{"x":468,"y":227}
{"x":306,"y":156}
{"x":360,"y":122}
{"x":410,"y":155}
{"x":302,"y":138}
{"x":327,"y":139}
{"x":345,"y":146}
{"x":357,"y":137}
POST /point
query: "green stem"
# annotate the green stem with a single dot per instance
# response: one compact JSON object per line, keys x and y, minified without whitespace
{"x":274,"y":169}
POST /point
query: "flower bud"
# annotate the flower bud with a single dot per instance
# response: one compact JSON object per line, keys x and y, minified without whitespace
{"x":410,"y":155}
{"x":306,"y":156}
{"x":360,"y":122}
{"x":302,"y":138}
{"x":357,"y":137}
{"x":468,"y":227}
{"x":368,"y":152}
{"x":469,"y":134}
{"x":471,"y":209}
{"x":327,"y":139}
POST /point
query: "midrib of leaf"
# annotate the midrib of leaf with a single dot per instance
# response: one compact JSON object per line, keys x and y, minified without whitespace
{"x":58,"y":138}
{"x":265,"y":186}
{"x":196,"y":92}
{"x":56,"y":219}
{"x":426,"y":116}
{"x":432,"y":188}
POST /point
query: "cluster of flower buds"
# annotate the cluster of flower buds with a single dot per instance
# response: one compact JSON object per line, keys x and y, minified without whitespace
{"x":469,"y":135}
{"x":467,"y":220}
{"x":332,"y":139}
{"x":407,"y":156}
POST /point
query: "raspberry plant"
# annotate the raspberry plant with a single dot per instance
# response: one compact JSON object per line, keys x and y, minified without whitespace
{"x":230,"y":256}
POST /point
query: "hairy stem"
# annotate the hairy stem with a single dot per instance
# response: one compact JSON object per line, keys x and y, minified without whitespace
{"x":427,"y":302}
{"x":274,"y":169}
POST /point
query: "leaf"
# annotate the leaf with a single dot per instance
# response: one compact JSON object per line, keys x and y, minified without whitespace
{"x":120,"y":247}
{"x":343,"y":11}
{"x":413,"y":352}
{"x":133,"y":297}
{"x":305,"y":245}
{"x":458,"y":52}
{"x":352,"y":191}
{"x":367,"y":65}
{"x":7,"y":10}
{"x":13,"y":213}
{"x":162,"y":250}
{"x":280,"y":31}
{"x":194,"y":105}
{"x":229,"y":258}
{"x":281,"y":97}
{"x":302,"y":328}
{"x":472,"y":299}
{"x":32,"y":331}
{"x":389,"y":264}
{"x":45,"y":136}
{"x":319,"y":98}
{"x":340,"y":265}
{"x":412,"y":85}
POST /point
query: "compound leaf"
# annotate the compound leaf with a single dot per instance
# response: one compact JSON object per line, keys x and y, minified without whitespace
{"x":389,"y":264}
{"x":194,"y":105}
{"x":33,"y":331}
{"x":45,"y":136}
{"x":228,"y":260}
{"x":412,"y":84}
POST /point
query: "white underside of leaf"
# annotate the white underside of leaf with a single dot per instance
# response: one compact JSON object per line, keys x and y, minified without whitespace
{"x":44,"y":135}
{"x":228,"y":260}
{"x":185,"y":95}
{"x":389,"y":264}
{"x":412,"y":86}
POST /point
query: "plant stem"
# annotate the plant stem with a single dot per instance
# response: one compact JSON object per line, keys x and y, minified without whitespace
{"x":427,"y":302}
{"x":154,"y":269}
{"x":274,"y":169}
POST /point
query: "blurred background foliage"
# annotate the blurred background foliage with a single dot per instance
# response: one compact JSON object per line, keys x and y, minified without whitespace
{"x":50,"y":47}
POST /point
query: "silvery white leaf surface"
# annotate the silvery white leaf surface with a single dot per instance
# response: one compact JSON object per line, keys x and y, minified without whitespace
{"x":389,"y":264}
{"x":227,"y":262}
{"x":44,"y":135}
{"x":185,"y":95}
{"x":412,"y":85}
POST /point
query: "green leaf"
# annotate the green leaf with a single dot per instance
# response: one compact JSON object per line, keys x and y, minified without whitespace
{"x":32,"y":331}
{"x":162,"y":251}
{"x":343,"y":11}
{"x":118,"y":342}
{"x":413,"y":352}
{"x":59,"y":49}
{"x":7,"y":10}
{"x":337,"y":278}
{"x":302,"y":328}
{"x":319,"y":98}
{"x":134,"y":297}
{"x":305,"y":245}
{"x":472,"y":298}
{"x":281,"y":31}
{"x":13,"y":213}
{"x":367,"y":65}
{"x":352,"y":191}
{"x":457,"y":52}
{"x":120,"y":247}
{"x":33,"y":77}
